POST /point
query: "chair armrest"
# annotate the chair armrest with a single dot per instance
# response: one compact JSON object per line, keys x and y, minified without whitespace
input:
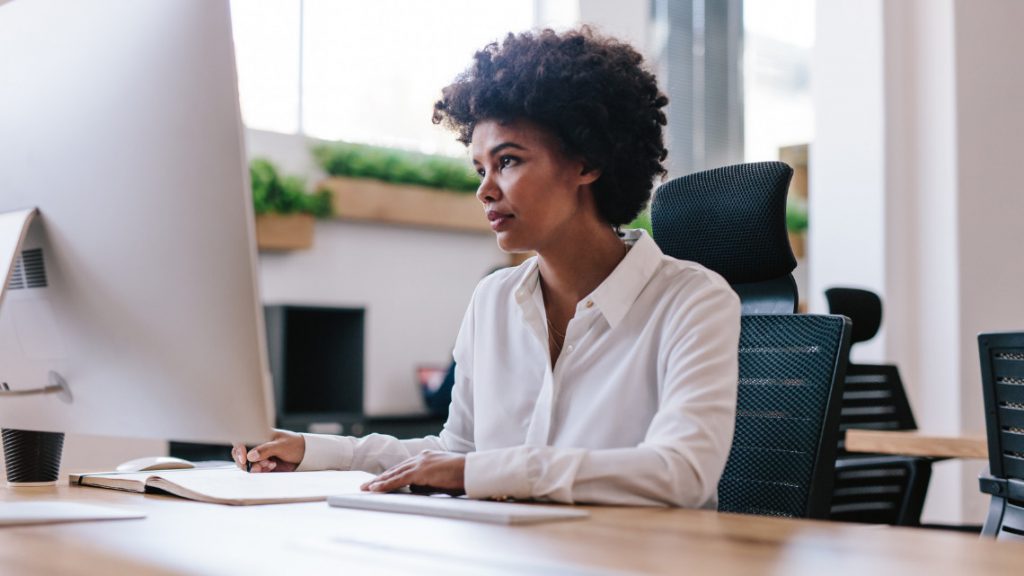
{"x":992,"y":485}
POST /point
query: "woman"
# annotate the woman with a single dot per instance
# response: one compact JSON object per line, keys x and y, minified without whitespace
{"x":599,"y":371}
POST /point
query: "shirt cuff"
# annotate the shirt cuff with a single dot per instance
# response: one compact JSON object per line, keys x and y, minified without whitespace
{"x":326,"y":452}
{"x":498,"y":473}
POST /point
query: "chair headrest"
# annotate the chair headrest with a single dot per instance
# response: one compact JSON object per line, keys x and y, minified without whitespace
{"x":863,"y":307}
{"x":730,"y":219}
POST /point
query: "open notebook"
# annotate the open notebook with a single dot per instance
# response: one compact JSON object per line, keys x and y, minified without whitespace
{"x":461,"y":508}
{"x":230,"y":485}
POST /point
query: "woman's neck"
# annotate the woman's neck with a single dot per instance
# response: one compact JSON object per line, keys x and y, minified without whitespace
{"x":576,"y":266}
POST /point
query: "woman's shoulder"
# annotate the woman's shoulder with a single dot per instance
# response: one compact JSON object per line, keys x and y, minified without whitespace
{"x":685,"y":272}
{"x":689,"y":297}
{"x":685,"y":279}
{"x":505,"y":281}
{"x":669,"y":277}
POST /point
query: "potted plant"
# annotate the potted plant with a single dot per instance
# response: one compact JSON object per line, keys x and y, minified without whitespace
{"x":284,"y":211}
{"x":400,"y":187}
{"x":796,"y":224}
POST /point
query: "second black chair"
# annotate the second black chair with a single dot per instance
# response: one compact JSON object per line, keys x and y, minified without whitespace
{"x":876,"y":489}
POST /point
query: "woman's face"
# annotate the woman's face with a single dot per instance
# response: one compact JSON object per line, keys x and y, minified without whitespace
{"x":533,"y":194}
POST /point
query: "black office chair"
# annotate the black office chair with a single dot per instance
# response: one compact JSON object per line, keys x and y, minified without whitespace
{"x":1002,"y":380}
{"x":877,"y":489}
{"x":732,"y":220}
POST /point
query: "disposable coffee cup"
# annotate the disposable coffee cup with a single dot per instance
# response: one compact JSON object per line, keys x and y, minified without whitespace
{"x":32,"y":458}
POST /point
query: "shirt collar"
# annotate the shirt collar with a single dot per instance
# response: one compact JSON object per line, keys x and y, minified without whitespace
{"x":529,"y":282}
{"x":617,"y":293}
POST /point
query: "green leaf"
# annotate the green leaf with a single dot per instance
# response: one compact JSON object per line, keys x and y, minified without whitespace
{"x":796,"y":215}
{"x":643,"y":221}
{"x":397,"y":166}
{"x":272,"y":193}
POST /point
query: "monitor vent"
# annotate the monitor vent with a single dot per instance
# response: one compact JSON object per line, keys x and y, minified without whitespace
{"x":29,"y":271}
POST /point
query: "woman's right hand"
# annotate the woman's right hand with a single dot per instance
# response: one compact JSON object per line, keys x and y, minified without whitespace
{"x":283,"y":453}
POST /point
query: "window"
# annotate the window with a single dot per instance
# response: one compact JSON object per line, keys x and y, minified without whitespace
{"x":267,"y":53}
{"x":362,"y":71}
{"x":779,"y":37}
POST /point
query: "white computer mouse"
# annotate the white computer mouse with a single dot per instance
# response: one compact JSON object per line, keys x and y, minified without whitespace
{"x":150,"y":463}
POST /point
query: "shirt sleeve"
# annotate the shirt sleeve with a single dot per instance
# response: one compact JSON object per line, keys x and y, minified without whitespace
{"x":375,"y":453}
{"x":687,"y":443}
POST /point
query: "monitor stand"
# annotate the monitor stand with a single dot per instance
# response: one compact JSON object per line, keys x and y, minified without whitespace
{"x":32,"y":458}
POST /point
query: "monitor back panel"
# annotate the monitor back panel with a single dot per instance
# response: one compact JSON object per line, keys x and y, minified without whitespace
{"x":121,"y":123}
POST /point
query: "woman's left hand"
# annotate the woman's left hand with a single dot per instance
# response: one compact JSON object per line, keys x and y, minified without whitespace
{"x":441,"y":471}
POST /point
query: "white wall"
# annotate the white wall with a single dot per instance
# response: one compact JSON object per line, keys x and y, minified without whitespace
{"x":922,"y":268}
{"x":415,"y":285}
{"x":990,"y":198}
{"x":289,"y":152}
{"x":847,"y":170}
{"x":914,"y":195}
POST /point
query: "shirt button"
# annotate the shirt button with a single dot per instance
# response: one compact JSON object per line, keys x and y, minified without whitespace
{"x":590,"y":303}
{"x":570,"y":348}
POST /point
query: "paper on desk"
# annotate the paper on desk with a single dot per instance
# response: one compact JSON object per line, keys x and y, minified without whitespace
{"x":232,"y":486}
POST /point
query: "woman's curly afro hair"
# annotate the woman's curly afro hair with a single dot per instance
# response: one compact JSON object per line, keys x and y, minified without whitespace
{"x":591,"y":91}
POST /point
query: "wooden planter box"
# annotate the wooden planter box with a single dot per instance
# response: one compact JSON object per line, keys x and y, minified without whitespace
{"x":405,"y":204}
{"x":280,"y":232}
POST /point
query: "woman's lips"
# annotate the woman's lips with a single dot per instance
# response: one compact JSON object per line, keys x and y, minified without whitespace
{"x":499,"y":221}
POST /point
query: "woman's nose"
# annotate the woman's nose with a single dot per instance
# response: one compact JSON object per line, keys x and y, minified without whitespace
{"x":488,"y":191}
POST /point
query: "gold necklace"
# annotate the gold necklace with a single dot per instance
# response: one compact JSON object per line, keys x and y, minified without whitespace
{"x":554,"y":335}
{"x":553,"y":329}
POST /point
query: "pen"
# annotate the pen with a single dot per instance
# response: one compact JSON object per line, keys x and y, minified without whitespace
{"x":248,"y":464}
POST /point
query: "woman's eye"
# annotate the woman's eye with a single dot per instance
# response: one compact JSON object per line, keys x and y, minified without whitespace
{"x":506,"y":161}
{"x":480,"y":171}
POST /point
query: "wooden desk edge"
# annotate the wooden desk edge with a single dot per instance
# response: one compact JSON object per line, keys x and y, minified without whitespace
{"x":916,"y":444}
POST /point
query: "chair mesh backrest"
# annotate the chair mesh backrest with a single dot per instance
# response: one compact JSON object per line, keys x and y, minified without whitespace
{"x":874,"y":399}
{"x":1002,"y":378}
{"x":877,"y":489}
{"x":783,"y":451}
{"x":731,"y":220}
{"x":880,"y":489}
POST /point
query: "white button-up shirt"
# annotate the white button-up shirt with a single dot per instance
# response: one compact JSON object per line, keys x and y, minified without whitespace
{"x":639,"y":409}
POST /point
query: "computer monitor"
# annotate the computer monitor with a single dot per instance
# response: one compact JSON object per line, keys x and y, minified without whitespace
{"x":119,"y":121}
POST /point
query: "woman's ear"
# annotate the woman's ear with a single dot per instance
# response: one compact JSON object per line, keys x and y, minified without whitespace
{"x":589,"y":174}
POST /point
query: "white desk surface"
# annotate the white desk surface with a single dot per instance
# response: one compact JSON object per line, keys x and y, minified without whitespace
{"x":185,"y":537}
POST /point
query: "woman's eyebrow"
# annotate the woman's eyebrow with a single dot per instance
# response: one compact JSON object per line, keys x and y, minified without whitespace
{"x":505,"y":145}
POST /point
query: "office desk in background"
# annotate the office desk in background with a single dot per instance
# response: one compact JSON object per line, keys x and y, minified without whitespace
{"x":916,"y":444}
{"x":185,"y":537}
